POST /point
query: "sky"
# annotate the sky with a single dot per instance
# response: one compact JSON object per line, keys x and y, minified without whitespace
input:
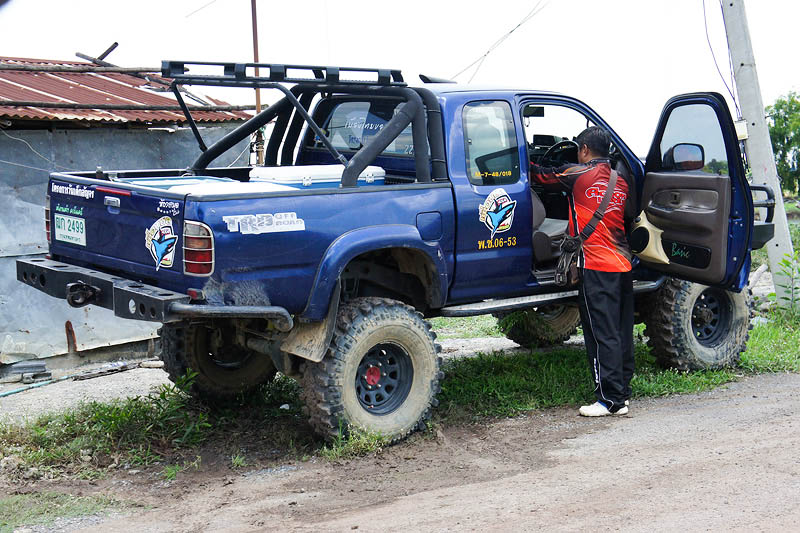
{"x":624,"y":58}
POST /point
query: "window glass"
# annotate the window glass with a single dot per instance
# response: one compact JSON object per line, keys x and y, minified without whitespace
{"x":352,"y":124}
{"x":548,"y":124}
{"x":491,"y":143}
{"x":694,"y":124}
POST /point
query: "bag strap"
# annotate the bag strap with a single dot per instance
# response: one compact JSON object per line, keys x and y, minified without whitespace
{"x":588,"y":229}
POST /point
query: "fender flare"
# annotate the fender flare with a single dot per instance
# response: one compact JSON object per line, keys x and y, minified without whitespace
{"x":354,"y":243}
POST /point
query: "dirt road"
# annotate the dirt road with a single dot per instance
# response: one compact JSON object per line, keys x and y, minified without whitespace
{"x":726,"y":459}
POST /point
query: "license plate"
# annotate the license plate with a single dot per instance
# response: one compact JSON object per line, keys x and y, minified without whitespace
{"x":70,"y":229}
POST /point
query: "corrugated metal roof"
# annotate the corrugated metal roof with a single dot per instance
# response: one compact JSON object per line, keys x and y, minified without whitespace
{"x":96,"y":88}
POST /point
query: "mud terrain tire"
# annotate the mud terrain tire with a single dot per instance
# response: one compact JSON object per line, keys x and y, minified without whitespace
{"x":381,"y":372}
{"x":222,"y":373}
{"x":695,"y":327}
{"x":547,"y":325}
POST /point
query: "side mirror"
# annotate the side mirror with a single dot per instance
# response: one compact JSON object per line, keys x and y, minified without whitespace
{"x":685,"y":156}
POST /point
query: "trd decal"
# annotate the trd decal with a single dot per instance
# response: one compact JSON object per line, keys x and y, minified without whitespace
{"x":264,"y":223}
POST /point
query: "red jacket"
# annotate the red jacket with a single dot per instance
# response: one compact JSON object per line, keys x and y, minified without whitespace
{"x":607,"y":248}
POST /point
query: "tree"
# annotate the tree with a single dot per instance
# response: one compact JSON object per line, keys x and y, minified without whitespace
{"x":716,"y":167}
{"x":784,"y":129}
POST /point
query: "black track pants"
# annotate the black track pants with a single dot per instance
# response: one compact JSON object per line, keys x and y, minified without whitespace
{"x":606,"y":305}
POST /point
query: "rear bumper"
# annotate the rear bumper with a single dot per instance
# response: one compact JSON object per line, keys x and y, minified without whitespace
{"x":128,"y":298}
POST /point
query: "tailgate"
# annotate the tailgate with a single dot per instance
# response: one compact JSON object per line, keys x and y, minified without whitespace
{"x":118,"y":226}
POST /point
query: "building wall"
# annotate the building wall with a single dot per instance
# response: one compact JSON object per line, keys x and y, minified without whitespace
{"x":30,"y":321}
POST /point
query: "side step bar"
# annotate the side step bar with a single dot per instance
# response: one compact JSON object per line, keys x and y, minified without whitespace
{"x":522,"y":302}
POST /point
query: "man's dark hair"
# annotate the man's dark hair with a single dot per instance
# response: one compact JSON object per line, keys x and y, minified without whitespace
{"x":596,"y":139}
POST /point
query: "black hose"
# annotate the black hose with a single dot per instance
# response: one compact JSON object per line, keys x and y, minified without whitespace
{"x":412,"y":112}
{"x":435,"y":134}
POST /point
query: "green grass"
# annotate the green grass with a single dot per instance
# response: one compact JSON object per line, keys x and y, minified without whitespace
{"x":95,"y":434}
{"x":87,"y":440}
{"x":355,"y":443}
{"x":238,"y":461}
{"x":466,"y":328}
{"x":43,"y":508}
{"x":790,"y":205}
{"x":501,"y":385}
{"x":773,"y":347}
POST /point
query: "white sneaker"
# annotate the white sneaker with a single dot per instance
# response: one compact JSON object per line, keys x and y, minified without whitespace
{"x":598,"y":409}
{"x":627,"y":403}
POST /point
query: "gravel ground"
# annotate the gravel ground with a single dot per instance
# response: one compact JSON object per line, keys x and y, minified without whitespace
{"x":717,"y":461}
{"x":65,"y":394}
{"x":140,"y":381}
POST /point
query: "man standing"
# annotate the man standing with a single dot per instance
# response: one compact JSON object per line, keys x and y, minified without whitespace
{"x":605,"y":295}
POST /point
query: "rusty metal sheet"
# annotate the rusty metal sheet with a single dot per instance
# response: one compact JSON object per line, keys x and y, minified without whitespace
{"x":92,"y":88}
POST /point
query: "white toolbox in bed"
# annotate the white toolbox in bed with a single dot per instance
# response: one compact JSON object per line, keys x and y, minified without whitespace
{"x":312,"y":176}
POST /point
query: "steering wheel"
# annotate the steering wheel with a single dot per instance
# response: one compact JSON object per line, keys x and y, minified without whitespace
{"x":559,"y":149}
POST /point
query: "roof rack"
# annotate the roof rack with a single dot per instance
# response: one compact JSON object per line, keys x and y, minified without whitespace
{"x":236,"y":74}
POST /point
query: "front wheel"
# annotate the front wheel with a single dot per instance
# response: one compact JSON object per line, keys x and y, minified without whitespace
{"x":381,"y":372}
{"x":695,"y":327}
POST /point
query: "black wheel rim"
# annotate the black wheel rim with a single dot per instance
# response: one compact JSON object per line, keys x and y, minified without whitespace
{"x":551,"y":312}
{"x":384,"y":378}
{"x":711,"y":316}
{"x":221,"y":355}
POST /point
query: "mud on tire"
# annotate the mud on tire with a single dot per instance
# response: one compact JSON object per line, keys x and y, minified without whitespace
{"x":695,"y":327}
{"x":547,"y":325}
{"x":223,"y":369}
{"x":381,"y":371}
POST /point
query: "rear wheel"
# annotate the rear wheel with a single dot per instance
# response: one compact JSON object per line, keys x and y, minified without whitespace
{"x":223,"y":369}
{"x":543,"y":326}
{"x":695,"y":327}
{"x":381,"y":372}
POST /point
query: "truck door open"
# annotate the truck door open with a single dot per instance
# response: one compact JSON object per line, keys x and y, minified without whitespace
{"x":697,"y":210}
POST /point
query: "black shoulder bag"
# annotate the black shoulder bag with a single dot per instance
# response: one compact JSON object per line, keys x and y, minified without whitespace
{"x":567,"y":274}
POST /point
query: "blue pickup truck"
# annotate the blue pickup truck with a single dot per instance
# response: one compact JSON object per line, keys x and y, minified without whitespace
{"x":380,"y":205}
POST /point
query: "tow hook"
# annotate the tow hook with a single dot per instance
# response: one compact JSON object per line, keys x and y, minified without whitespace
{"x":80,"y":294}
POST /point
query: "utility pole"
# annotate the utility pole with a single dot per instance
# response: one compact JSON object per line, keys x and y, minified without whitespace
{"x":259,"y":134}
{"x":758,"y":145}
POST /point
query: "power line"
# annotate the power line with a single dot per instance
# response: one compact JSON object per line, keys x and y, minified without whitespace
{"x":24,"y":166}
{"x":541,"y":4}
{"x":200,"y":8}
{"x":714,"y":57}
{"x":32,"y":149}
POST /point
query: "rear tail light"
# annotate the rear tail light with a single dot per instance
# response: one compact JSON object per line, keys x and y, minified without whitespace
{"x":47,"y":217}
{"x":198,"y":249}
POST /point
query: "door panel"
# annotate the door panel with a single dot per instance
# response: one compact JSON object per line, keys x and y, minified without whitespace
{"x":493,"y":241}
{"x":692,"y":212}
{"x":697,"y":211}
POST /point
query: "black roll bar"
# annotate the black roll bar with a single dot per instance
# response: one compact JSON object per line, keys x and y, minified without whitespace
{"x":322,"y":79}
{"x":412,"y":112}
{"x":275,"y":138}
{"x":287,"y":154}
{"x":242,"y":132}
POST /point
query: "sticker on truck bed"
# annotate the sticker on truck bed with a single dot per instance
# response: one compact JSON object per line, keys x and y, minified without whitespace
{"x":169,"y":207}
{"x":82,"y":191}
{"x":264,"y":223}
{"x":497,"y":212}
{"x":160,"y":240}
